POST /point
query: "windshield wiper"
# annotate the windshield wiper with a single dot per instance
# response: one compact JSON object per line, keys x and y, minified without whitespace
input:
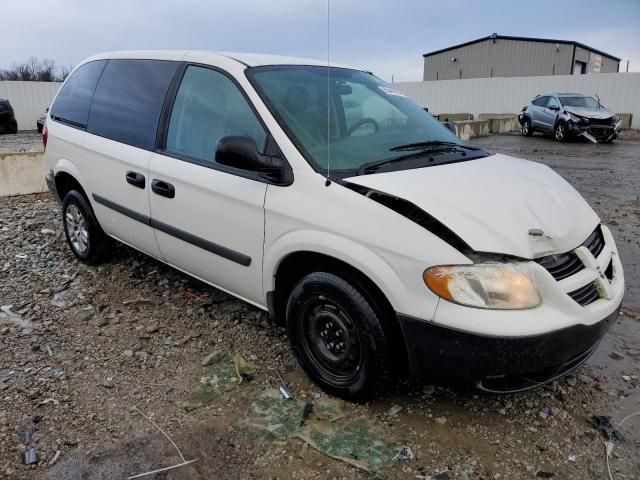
{"x":420,"y":149}
{"x":431,"y":144}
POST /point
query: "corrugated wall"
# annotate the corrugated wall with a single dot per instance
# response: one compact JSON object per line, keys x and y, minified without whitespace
{"x":29,"y":100}
{"x":618,"y":91}
{"x":505,"y":58}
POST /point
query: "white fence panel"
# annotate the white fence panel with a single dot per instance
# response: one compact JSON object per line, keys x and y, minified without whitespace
{"x":29,"y":100}
{"x":618,"y":91}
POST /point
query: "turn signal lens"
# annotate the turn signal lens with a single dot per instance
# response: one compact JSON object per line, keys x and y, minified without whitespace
{"x":493,"y":286}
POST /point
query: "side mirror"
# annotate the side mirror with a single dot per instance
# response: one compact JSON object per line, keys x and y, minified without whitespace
{"x":242,"y":153}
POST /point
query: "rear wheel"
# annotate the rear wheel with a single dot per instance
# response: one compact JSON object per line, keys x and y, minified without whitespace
{"x":560,"y":131}
{"x":85,"y":236}
{"x":13,"y":127}
{"x":338,"y":337}
{"x":526,"y":129}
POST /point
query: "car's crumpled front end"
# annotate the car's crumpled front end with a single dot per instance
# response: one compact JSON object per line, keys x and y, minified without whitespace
{"x":543,"y":284}
{"x":595,"y":125}
{"x":516,"y":349}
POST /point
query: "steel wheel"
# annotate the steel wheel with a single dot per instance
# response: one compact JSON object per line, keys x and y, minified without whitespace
{"x":77,"y":228}
{"x":331,"y":339}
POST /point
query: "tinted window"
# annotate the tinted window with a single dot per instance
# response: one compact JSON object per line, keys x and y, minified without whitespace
{"x":553,"y":103}
{"x":73,"y":102}
{"x":128,"y":101}
{"x":209,"y":106}
{"x":540,"y":101}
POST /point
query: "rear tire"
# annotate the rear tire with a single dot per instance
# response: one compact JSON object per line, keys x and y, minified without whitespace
{"x":526,"y":128}
{"x":338,"y":338}
{"x":13,"y":127}
{"x":84,"y":235}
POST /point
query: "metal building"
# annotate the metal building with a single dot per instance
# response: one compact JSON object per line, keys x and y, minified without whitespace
{"x":503,"y":56}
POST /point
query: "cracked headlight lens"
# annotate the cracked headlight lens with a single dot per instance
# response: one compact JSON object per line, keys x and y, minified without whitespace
{"x":575,"y":118}
{"x":493,"y":286}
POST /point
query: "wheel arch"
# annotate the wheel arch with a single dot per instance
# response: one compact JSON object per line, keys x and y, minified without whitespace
{"x":296,"y":264}
{"x":67,"y":178}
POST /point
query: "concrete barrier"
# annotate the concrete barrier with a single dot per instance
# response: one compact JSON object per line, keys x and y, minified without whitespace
{"x":21,"y":173}
{"x":467,"y":129}
{"x":489,"y":116}
{"x":626,"y":120}
{"x":504,"y":125}
{"x":455,"y":117}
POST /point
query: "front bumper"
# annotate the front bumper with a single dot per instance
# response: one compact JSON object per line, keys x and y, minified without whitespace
{"x":595,"y":133}
{"x":499,"y":364}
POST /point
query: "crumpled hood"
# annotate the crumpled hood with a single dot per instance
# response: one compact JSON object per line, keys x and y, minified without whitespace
{"x":493,"y":202}
{"x":598,"y":113}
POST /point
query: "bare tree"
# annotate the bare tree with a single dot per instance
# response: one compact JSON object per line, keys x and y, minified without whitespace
{"x":35,"y":70}
{"x":64,"y":72}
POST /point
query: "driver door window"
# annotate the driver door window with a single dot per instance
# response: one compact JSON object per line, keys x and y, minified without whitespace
{"x":553,"y":103}
{"x":209,"y":106}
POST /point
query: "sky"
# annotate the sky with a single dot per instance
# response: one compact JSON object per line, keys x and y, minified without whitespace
{"x":387,"y":37}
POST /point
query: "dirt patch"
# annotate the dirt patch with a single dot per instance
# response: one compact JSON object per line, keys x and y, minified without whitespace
{"x":134,"y":332}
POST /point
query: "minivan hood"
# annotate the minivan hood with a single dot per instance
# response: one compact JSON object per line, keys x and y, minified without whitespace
{"x":493,"y":202}
{"x":598,"y":113}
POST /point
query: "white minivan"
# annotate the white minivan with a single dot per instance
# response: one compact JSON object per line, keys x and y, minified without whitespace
{"x":381,"y":241}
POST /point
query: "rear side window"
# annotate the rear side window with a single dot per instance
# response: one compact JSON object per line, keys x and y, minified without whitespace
{"x":540,"y":101}
{"x":209,"y":106}
{"x":128,"y":100}
{"x":73,"y":102}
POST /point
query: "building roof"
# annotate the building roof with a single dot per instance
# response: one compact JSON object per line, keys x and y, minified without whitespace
{"x":524,"y":39}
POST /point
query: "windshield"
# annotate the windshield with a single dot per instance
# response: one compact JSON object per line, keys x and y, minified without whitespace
{"x":368,"y":118}
{"x":583,"y":102}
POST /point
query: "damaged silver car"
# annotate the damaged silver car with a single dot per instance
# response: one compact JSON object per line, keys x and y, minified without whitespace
{"x":566,"y":115}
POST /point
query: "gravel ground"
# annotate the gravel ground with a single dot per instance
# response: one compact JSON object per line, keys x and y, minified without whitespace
{"x":85,"y":345}
{"x":21,"y":142}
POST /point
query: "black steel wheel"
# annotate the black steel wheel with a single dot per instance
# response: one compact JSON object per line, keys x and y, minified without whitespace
{"x":338,"y":337}
{"x":86,"y":238}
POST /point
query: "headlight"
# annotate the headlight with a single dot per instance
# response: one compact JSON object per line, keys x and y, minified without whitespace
{"x":495,"y":286}
{"x":575,"y":118}
{"x":615,"y":119}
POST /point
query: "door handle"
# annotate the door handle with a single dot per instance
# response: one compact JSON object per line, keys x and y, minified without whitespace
{"x":163,"y":188}
{"x":136,"y":179}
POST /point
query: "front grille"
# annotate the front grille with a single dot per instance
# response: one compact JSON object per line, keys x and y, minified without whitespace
{"x":567,"y":264}
{"x":601,"y":121}
{"x":585,"y":295}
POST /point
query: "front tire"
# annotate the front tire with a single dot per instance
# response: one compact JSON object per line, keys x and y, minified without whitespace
{"x":560,"y":131}
{"x":338,"y":338}
{"x":526,"y":129}
{"x":86,"y":238}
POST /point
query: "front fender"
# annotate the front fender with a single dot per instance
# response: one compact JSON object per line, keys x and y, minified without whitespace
{"x":359,"y":256}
